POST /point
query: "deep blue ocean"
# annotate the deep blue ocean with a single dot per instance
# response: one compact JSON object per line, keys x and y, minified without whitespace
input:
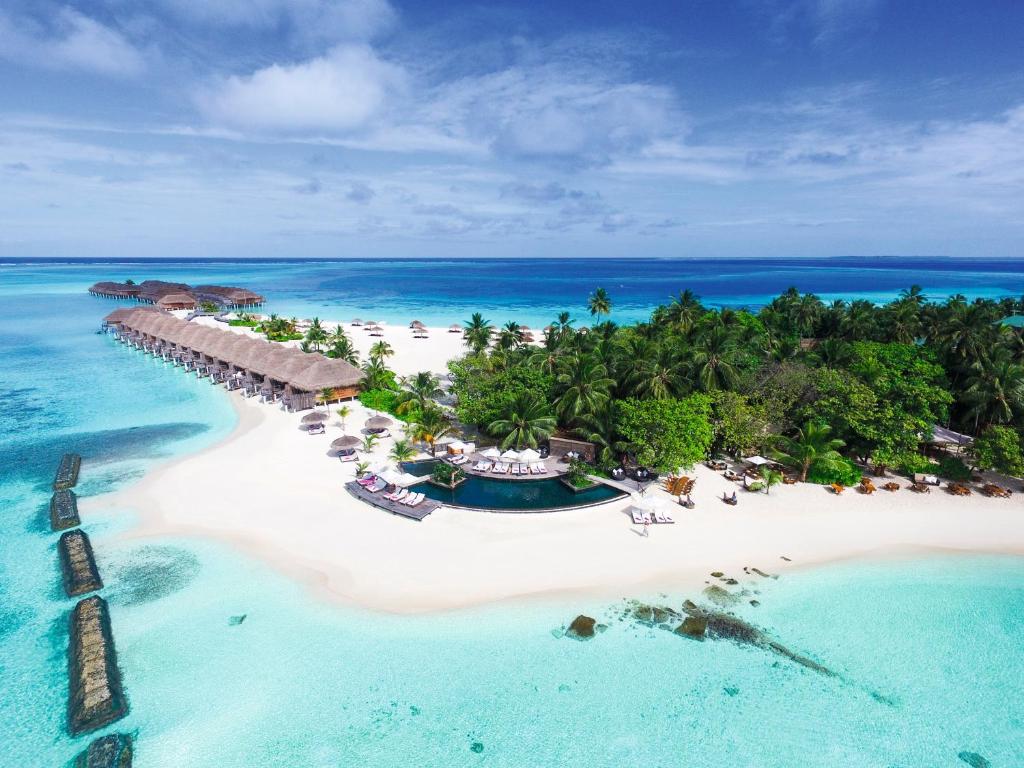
{"x":927,"y":651}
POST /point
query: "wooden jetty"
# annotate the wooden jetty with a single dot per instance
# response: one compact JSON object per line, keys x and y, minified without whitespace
{"x":63,"y":510}
{"x":78,"y":565}
{"x":95,"y":696}
{"x":111,"y":751}
{"x":67,"y":472}
{"x":418,"y":512}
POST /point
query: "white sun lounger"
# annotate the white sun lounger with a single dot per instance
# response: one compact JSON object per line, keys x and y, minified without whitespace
{"x":399,"y":495}
{"x":638,"y":519}
{"x":659,"y":517}
{"x":414,"y":499}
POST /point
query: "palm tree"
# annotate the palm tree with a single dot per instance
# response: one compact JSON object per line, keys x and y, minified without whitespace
{"x":714,"y":360}
{"x":431,"y":426}
{"x":326,"y":394}
{"x":343,"y":413}
{"x":526,"y":421}
{"x":813,"y":445}
{"x":316,"y":335}
{"x":587,"y":386}
{"x":510,"y":336}
{"x":599,"y":303}
{"x":685,"y":310}
{"x":369,"y":442}
{"x":477,"y":333}
{"x":340,"y":347}
{"x":401,"y":451}
{"x":380,"y":351}
{"x":770,"y":477}
{"x":377,"y":375}
{"x":417,"y":391}
{"x":600,"y":429}
{"x":995,"y":391}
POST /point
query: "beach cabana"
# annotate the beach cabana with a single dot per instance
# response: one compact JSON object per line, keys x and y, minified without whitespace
{"x":457,"y":446}
{"x":378,"y":423}
{"x":529,"y":456}
{"x":510,"y":455}
{"x":759,"y":461}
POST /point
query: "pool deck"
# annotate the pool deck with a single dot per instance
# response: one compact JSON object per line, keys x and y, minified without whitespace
{"x":555,"y":468}
{"x":418,"y":512}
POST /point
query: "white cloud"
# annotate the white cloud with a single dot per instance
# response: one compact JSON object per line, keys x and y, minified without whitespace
{"x":75,"y":42}
{"x":337,"y":92}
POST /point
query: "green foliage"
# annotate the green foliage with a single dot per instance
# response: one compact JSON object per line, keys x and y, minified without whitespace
{"x":446,"y":474}
{"x":812,"y":448}
{"x":999,"y":448}
{"x":913,"y":463}
{"x":524,"y":423}
{"x":209,"y":306}
{"x":241,"y":323}
{"x":484,"y":394}
{"x":669,"y":433}
{"x":837,"y":470}
{"x":578,"y":473}
{"x":953,"y":468}
{"x":379,"y":400}
{"x":741,"y":428}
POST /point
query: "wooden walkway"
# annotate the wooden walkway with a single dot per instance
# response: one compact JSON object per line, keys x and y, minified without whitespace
{"x":418,"y":512}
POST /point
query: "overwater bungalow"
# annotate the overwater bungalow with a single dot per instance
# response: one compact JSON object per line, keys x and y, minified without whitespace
{"x":295,"y":378}
{"x":179,"y":295}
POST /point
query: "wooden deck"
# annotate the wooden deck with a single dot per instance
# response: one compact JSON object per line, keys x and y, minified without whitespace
{"x":418,"y":512}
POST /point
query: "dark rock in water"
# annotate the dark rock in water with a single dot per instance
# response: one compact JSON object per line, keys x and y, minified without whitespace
{"x":755,"y":603}
{"x":77,"y":564}
{"x":113,"y":751}
{"x":582,"y":628}
{"x":95,"y":697}
{"x":477,"y":746}
{"x":730,"y":691}
{"x":67,"y":472}
{"x":974,"y":760}
{"x":653,"y":615}
{"x":720,"y":597}
{"x":234,"y":621}
{"x":731,"y":582}
{"x":717,"y":574}
{"x":786,"y":558}
{"x":759,"y":572}
{"x":693,"y":627}
{"x":64,"y":510}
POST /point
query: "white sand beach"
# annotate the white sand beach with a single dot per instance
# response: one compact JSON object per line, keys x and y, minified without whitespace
{"x":274,"y":491}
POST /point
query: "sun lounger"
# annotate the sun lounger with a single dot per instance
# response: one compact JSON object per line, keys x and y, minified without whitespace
{"x":398,"y":495}
{"x":460,"y":459}
{"x":515,"y":470}
{"x":413,"y":499}
{"x":659,"y":516}
{"x":668,"y":518}
{"x":347,"y":457}
{"x":638,"y":519}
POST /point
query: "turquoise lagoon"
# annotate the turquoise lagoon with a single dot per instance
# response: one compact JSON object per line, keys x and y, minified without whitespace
{"x":926,"y":651}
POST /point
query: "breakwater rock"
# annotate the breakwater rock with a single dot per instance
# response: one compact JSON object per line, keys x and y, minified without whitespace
{"x":95,"y":696}
{"x":77,"y":563}
{"x":67,"y":472}
{"x":113,"y":751}
{"x":582,"y":628}
{"x":64,"y":510}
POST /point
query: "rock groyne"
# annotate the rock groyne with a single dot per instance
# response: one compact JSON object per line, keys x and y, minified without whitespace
{"x":67,"y":472}
{"x":113,"y":751}
{"x":63,"y":510}
{"x":95,"y":696}
{"x":77,"y":563}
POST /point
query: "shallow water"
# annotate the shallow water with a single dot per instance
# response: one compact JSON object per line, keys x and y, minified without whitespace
{"x":228,"y":664}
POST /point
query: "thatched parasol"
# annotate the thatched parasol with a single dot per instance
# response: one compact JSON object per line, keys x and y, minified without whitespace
{"x":345,"y":442}
{"x":416,"y":324}
{"x":378,"y":422}
{"x":454,"y":328}
{"x":316,"y":417}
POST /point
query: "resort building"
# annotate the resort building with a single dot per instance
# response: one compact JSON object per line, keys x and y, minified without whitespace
{"x":273,"y":371}
{"x":179,"y":295}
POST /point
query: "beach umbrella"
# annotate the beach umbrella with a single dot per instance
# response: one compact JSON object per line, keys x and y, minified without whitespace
{"x":454,"y":329}
{"x":356,"y":321}
{"x":510,"y":455}
{"x":491,"y":453}
{"x":416,"y":324}
{"x":315,"y":418}
{"x":346,"y":442}
{"x":378,"y":422}
{"x":529,"y":455}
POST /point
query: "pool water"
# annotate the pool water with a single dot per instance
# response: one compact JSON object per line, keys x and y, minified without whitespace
{"x":543,"y":494}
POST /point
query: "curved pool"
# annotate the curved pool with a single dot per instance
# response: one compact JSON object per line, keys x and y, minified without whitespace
{"x":492,"y":493}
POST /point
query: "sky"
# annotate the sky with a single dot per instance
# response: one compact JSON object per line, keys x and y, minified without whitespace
{"x":377,"y":128}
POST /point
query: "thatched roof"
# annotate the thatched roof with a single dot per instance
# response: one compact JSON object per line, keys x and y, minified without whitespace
{"x":315,"y":417}
{"x":310,"y":372}
{"x":378,"y":422}
{"x":346,"y":441}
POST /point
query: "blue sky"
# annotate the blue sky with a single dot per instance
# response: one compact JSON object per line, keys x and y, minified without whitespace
{"x":292,"y":128}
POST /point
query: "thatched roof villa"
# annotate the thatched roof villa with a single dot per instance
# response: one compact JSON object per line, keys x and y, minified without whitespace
{"x":298,"y":378}
{"x":179,"y":295}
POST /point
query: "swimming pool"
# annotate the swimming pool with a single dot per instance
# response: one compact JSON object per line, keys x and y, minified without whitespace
{"x":489,"y":493}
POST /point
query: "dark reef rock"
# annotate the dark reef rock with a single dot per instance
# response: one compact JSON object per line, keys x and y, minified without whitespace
{"x":720,"y":597}
{"x":477,"y":746}
{"x":693,"y":627}
{"x":582,"y":628}
{"x":95,"y":697}
{"x":973,"y":759}
{"x":234,"y":621}
{"x":67,"y":472}
{"x":113,"y":751}
{"x":717,"y":574}
{"x":761,"y":573}
{"x":77,"y":563}
{"x":64,"y":510}
{"x":652,"y":615}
